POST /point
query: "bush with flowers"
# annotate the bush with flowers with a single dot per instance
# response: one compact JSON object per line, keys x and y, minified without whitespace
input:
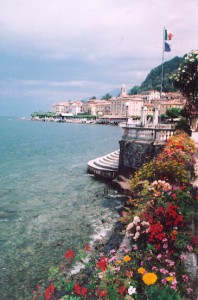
{"x":151,"y":265}
{"x":175,"y":164}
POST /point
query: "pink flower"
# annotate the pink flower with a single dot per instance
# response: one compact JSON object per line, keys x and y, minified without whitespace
{"x":163,"y":271}
{"x":170,"y":262}
{"x":175,"y":188}
{"x":182,"y":257}
{"x":112,"y":251}
{"x":174,"y":284}
{"x":189,"y":290}
{"x":135,"y":247}
{"x":113,"y":258}
{"x":172,"y":274}
{"x":165,"y":246}
{"x":185,"y":278}
{"x":190,"y":248}
{"x":164,"y":281}
{"x":159,"y":256}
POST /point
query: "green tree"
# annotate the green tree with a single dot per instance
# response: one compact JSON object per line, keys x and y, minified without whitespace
{"x":106,"y":97}
{"x":174,"y":112}
{"x":186,"y":80}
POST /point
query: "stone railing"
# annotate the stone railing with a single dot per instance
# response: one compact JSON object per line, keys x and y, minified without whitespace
{"x":147,"y":134}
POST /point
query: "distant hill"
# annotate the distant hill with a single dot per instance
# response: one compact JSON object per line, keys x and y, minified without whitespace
{"x":153,"y":79}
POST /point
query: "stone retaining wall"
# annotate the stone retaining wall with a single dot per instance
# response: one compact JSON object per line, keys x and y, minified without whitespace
{"x":134,"y":153}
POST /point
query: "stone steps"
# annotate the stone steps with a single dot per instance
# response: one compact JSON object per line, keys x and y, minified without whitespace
{"x":105,"y":166}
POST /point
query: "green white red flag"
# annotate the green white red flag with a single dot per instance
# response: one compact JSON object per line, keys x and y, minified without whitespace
{"x":167,"y":35}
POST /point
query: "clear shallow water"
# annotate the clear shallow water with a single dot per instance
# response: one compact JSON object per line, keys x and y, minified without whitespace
{"x":47,"y":201}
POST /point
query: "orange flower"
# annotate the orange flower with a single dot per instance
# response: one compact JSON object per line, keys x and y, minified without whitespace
{"x":127,"y":258}
{"x":118,"y":261}
{"x":170,"y":278}
{"x":149,"y":278}
{"x":141,"y":270}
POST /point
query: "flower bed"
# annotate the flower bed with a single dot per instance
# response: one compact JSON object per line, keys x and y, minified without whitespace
{"x":157,"y":219}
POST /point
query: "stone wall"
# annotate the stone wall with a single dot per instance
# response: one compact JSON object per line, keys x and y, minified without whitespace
{"x":134,"y":153}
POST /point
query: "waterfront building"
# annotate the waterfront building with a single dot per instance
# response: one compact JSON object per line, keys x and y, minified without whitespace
{"x":61,"y":107}
{"x":168,"y":101}
{"x":126,"y":105}
{"x":71,"y":107}
{"x":168,"y":104}
{"x":75,"y":107}
{"x":96,"y":107}
{"x":150,"y":95}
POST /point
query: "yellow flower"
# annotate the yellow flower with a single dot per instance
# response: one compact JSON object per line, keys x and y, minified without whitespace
{"x":127,"y":258}
{"x":141,"y":270}
{"x":149,"y":278}
{"x":170,"y":278}
{"x":118,"y":261}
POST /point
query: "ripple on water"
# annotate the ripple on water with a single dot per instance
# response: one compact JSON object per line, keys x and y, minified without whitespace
{"x":47,"y":201}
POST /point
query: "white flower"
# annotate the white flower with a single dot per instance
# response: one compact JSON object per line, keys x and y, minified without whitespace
{"x":136,"y":220}
{"x":136,"y":236}
{"x":131,"y":290}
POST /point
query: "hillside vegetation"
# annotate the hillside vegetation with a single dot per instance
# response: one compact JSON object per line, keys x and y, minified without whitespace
{"x":153,"y":79}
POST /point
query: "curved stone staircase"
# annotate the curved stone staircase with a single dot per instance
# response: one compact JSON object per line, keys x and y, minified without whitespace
{"x":105,"y":166}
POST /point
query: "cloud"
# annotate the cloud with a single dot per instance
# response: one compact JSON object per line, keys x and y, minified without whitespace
{"x":82,"y":45}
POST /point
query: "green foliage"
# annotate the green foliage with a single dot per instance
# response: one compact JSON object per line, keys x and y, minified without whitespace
{"x":172,"y":164}
{"x":174,"y":112}
{"x":183,"y":125}
{"x":106,"y":97}
{"x":163,"y":294}
{"x":67,"y":297}
{"x":41,"y":115}
{"x":186,"y":80}
{"x":153,"y":80}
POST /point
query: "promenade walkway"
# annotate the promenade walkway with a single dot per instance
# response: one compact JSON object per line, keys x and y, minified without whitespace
{"x":195,"y":138}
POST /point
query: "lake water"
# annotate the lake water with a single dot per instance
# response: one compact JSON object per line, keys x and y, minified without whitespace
{"x":48,"y":203}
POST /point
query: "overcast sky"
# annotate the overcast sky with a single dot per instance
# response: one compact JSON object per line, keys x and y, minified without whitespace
{"x":60,"y":50}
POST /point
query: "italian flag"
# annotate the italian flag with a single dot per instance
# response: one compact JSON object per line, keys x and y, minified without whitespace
{"x":167,"y":35}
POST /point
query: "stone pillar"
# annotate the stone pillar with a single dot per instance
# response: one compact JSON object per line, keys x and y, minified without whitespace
{"x":143,"y":115}
{"x":155,"y":116}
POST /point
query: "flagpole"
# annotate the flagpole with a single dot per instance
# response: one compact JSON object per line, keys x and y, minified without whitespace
{"x":162,"y":69}
{"x":162,"y":73}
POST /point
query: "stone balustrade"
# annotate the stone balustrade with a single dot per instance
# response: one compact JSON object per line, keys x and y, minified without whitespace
{"x":147,"y":134}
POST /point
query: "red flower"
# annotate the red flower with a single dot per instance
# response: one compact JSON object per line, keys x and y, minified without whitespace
{"x":49,"y":291}
{"x":194,"y":241}
{"x":102,"y":263}
{"x":87,"y":248}
{"x":51,"y":287}
{"x":103,"y":293}
{"x":174,"y":196}
{"x":69,"y":254}
{"x":182,"y":187}
{"x":121,"y":290}
{"x":80,"y":290}
{"x":159,"y":210}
